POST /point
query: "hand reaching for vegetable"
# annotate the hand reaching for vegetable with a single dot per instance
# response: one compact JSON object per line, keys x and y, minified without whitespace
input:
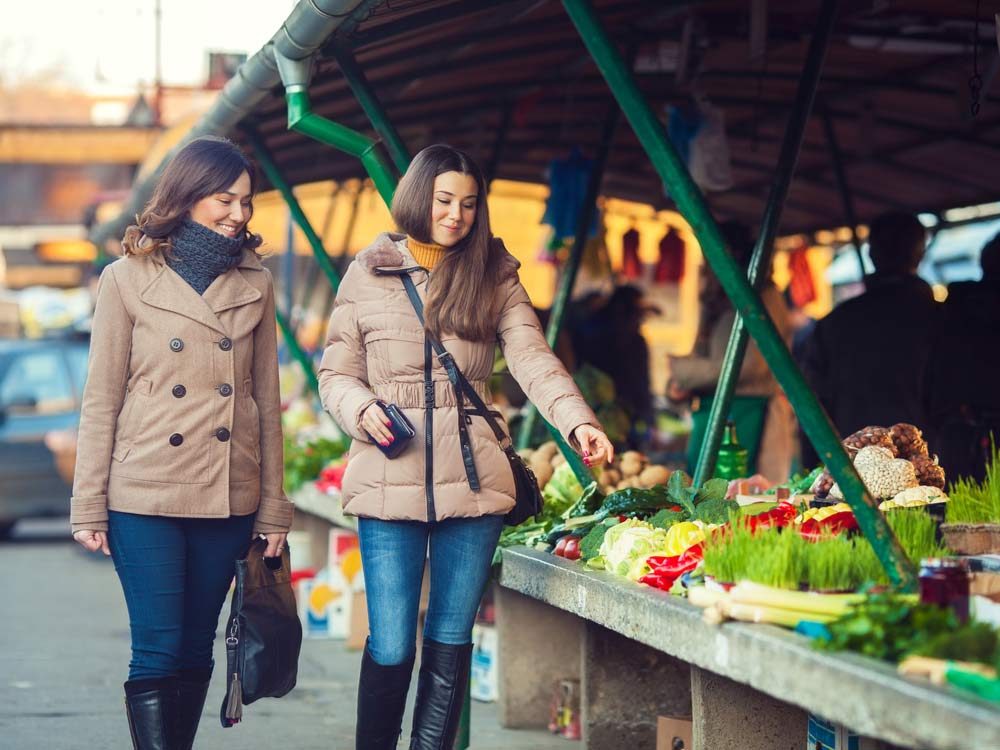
{"x":376,"y":423}
{"x":595,"y":447}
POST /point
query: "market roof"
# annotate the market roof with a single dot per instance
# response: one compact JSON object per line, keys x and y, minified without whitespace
{"x":895,"y":88}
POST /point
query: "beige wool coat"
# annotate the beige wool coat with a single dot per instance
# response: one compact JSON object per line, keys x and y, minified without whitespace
{"x":181,"y":413}
{"x":375,"y":351}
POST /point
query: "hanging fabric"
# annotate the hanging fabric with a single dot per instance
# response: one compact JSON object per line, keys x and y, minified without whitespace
{"x":802,"y":289}
{"x":568,"y":180}
{"x":670,"y":265}
{"x":631,"y":265}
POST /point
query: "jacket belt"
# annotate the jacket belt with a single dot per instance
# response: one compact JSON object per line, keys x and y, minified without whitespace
{"x":411,"y":395}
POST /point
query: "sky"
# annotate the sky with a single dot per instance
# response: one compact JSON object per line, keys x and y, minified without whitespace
{"x":107,"y":46}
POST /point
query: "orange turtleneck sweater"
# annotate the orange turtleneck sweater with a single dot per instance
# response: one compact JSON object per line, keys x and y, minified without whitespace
{"x":427,"y":254}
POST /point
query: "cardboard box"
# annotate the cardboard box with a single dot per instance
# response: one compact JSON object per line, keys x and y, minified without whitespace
{"x":674,"y":734}
{"x":325,"y":605}
{"x":485,"y":656}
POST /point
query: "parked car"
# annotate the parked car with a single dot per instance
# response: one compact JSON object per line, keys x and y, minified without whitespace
{"x":41,"y":387}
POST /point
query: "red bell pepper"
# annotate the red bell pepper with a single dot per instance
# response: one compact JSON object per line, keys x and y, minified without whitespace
{"x":666,"y":570}
{"x":778,"y":517}
{"x":838,"y":523}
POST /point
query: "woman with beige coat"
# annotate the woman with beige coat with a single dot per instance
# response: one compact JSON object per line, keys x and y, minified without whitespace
{"x":378,"y":352}
{"x":179,"y":458}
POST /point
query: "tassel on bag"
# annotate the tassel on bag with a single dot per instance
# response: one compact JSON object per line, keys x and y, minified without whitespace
{"x":234,"y":705}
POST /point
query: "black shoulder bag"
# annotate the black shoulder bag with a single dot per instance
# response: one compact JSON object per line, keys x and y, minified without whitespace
{"x":528,"y":498}
{"x":263,"y":635}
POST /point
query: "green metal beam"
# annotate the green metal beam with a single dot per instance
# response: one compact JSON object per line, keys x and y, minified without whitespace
{"x":275,"y":177}
{"x":691,"y":204}
{"x":566,"y":283}
{"x":297,"y":352}
{"x":365,"y":95}
{"x":303,"y":120}
{"x":763,"y":252}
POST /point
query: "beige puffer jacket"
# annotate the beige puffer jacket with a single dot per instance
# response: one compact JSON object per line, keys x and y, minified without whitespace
{"x":375,"y":351}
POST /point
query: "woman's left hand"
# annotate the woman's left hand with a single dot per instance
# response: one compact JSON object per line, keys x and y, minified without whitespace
{"x":594,"y":445}
{"x":275,"y":544}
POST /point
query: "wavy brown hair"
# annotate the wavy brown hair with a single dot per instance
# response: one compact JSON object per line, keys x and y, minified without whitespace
{"x":472,"y":269}
{"x":204,"y":167}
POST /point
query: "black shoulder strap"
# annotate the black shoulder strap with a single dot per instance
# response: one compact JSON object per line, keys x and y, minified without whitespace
{"x":455,"y":375}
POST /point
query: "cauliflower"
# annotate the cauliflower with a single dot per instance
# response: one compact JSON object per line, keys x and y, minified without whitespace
{"x":884,"y":476}
{"x":627,"y":545}
{"x":914,"y":496}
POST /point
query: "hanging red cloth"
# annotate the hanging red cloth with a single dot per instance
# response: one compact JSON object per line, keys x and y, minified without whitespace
{"x":670,"y":266}
{"x":631,"y":265}
{"x":801,"y":288}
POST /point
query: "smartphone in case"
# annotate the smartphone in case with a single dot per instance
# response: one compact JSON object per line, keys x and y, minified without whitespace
{"x":401,"y":428}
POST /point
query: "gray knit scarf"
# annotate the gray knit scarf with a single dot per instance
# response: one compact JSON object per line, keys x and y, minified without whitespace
{"x":199,"y":254}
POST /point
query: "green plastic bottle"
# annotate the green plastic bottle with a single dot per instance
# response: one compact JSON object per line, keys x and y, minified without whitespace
{"x":733,"y":461}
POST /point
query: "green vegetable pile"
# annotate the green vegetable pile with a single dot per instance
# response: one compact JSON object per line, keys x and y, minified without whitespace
{"x":891,"y":627}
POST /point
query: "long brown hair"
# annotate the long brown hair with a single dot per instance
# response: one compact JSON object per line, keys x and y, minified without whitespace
{"x":471,"y":270}
{"x":204,"y":167}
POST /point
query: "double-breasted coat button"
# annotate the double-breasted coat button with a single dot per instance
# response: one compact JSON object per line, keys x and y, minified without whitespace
{"x":225,"y":390}
{"x":179,"y":391}
{"x":226,"y":344}
{"x":222,"y":434}
{"x":176,"y":439}
{"x":176,"y":345}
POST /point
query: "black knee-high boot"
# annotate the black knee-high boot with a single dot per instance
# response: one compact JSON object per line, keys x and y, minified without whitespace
{"x":441,"y":686}
{"x":381,"y":701}
{"x":192,"y":687}
{"x":152,"y":706}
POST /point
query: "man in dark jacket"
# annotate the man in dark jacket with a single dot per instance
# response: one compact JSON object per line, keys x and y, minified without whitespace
{"x":867,"y":359}
{"x":964,"y":372}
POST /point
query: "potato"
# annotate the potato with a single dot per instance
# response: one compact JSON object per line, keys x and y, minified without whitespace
{"x":654,"y":475}
{"x":631,"y":465}
{"x":548,"y":450}
{"x":558,"y":460}
{"x":527,"y":454}
{"x":607,"y":489}
{"x":543,"y":473}
{"x":611,"y":476}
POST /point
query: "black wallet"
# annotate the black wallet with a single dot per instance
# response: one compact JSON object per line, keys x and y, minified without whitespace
{"x":401,"y":428}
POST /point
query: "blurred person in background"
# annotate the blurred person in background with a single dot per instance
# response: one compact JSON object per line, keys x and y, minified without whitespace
{"x":179,"y":460}
{"x":763,"y":417}
{"x":965,"y":365}
{"x":867,"y":359}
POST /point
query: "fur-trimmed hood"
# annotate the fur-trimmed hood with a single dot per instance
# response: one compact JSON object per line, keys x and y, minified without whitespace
{"x":389,"y":251}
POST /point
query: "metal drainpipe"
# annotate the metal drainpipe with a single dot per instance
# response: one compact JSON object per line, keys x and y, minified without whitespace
{"x":763,"y":253}
{"x":295,"y":77}
{"x":370,"y":103}
{"x":692,"y":206}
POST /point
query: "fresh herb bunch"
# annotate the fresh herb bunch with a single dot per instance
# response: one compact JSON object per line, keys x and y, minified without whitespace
{"x":977,"y":502}
{"x":916,"y":531}
{"x":888,"y":627}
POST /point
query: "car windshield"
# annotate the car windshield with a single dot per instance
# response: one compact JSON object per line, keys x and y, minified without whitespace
{"x":36,"y":382}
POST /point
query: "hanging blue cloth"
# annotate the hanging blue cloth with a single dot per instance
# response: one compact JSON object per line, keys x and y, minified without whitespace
{"x":568,"y":180}
{"x":683,"y":124}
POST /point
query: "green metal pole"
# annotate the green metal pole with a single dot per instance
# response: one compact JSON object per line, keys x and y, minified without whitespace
{"x":566,"y":284}
{"x":763,"y":252}
{"x":303,"y":120}
{"x":275,"y":177}
{"x":837,"y":157}
{"x":300,"y":356}
{"x":365,"y":95}
{"x":692,"y":206}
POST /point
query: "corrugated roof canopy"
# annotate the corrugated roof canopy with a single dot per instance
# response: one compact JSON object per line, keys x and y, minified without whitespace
{"x":895,"y":87}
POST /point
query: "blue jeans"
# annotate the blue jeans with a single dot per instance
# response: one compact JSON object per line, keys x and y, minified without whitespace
{"x":393,"y":555}
{"x":175,"y":573}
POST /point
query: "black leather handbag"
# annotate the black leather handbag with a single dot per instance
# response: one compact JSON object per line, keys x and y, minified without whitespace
{"x":263,"y":636}
{"x":528,"y":497}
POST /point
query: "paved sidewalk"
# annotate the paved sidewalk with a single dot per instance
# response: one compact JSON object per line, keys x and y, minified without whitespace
{"x":66,"y":650}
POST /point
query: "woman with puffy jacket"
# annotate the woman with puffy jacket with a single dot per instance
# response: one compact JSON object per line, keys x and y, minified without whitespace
{"x":378,"y":351}
{"x":179,"y":457}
